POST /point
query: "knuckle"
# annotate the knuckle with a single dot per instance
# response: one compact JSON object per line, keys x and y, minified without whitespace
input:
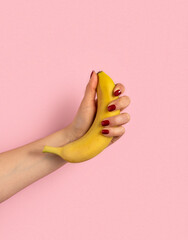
{"x":124,"y":101}
{"x":124,"y":98}
{"x":122,"y":130}
{"x":121,"y":86}
{"x":128,"y":117}
{"x":128,"y":99}
{"x":115,"y":121}
{"x":118,"y":85}
{"x":124,"y":117}
{"x":120,"y":119}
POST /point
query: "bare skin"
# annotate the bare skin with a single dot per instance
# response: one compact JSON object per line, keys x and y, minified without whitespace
{"x":24,"y":165}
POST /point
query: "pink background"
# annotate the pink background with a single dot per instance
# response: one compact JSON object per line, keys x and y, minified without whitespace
{"x":138,"y":188}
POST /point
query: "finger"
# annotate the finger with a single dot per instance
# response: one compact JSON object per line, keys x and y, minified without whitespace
{"x":120,"y":103}
{"x":118,"y":89}
{"x":96,"y":102}
{"x":93,"y":80}
{"x":113,"y":131}
{"x":91,"y":87}
{"x":117,"y":120}
{"x":114,"y":139}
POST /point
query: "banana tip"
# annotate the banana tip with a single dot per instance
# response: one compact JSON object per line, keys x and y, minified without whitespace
{"x":45,"y":149}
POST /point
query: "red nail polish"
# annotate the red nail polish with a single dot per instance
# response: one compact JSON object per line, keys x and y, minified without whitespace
{"x":105,"y":131}
{"x":105,"y":123}
{"x":117,"y":92}
{"x":111,"y":107}
{"x":91,"y":73}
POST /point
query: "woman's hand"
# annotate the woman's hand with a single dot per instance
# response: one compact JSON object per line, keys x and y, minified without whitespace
{"x":88,"y":108}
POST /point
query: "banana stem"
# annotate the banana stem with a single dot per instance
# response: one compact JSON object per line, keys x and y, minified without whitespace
{"x":54,"y":150}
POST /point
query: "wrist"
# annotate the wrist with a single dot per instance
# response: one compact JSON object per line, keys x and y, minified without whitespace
{"x":55,"y":139}
{"x":69,"y":133}
{"x":58,"y":138}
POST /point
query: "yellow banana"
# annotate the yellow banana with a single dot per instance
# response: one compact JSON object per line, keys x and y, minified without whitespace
{"x":93,"y":142}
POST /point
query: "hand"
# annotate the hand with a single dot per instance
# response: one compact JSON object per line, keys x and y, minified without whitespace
{"x":88,"y":108}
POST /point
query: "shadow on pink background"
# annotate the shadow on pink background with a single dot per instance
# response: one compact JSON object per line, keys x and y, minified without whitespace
{"x":136,"y":189}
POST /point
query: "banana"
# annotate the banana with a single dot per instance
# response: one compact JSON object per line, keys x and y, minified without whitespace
{"x":93,"y":142}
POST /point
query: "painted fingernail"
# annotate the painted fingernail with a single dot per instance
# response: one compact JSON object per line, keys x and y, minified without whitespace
{"x":111,"y":107}
{"x":105,"y":122}
{"x":91,"y":73}
{"x":105,"y":131}
{"x":117,"y":92}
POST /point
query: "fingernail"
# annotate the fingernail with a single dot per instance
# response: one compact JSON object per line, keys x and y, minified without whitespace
{"x":105,"y":122}
{"x":117,"y":92}
{"x":105,"y":131}
{"x":111,"y":107}
{"x":91,"y":73}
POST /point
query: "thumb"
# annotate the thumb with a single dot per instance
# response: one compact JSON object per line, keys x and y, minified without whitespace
{"x":91,"y":88}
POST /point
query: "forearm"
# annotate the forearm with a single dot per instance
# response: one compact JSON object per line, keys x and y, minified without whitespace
{"x":24,"y":165}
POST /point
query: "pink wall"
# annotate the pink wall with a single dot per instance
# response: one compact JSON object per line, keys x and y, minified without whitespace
{"x":136,"y":189}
